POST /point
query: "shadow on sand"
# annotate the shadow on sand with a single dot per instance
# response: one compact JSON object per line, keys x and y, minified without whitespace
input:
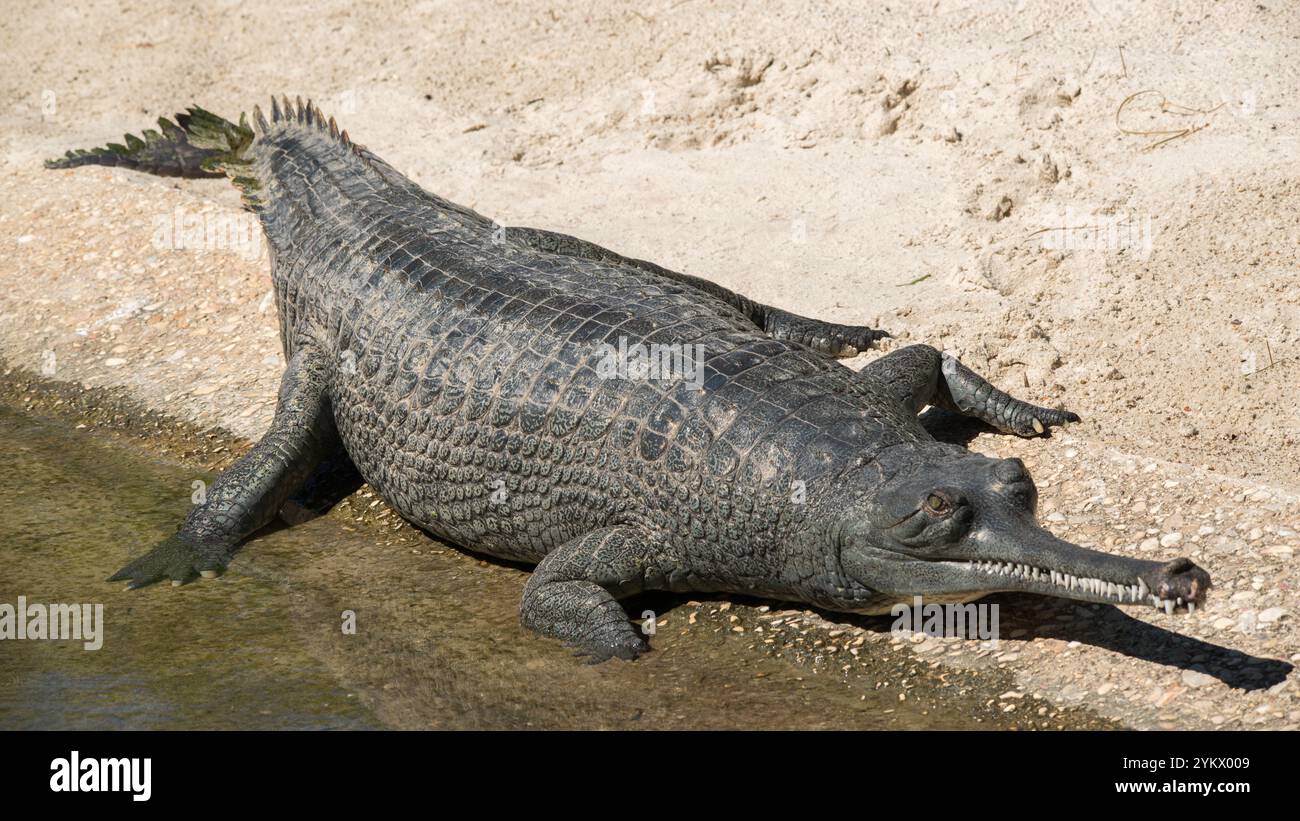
{"x":1104,"y":626}
{"x":1108,"y":626}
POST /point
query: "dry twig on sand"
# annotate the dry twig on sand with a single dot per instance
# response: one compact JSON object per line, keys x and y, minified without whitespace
{"x":1166,"y":107}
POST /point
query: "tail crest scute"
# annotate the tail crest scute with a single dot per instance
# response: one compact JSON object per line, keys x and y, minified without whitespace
{"x":198,"y":144}
{"x":166,"y":152}
{"x":202,"y":144}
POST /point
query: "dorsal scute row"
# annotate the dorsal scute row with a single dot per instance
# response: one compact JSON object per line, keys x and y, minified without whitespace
{"x":291,"y":113}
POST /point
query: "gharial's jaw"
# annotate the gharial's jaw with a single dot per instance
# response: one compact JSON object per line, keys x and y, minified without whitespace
{"x":1168,"y":586}
{"x":1037,"y":563}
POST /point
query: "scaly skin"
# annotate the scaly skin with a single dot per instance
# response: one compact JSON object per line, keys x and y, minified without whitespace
{"x":463,"y":368}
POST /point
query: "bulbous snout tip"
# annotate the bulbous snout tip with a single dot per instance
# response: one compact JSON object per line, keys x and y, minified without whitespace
{"x":1010,"y":471}
{"x":1177,"y":582}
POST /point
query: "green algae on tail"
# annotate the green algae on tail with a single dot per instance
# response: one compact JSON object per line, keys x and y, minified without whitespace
{"x":167,"y":152}
{"x":198,"y":144}
{"x":202,"y":144}
{"x":226,"y":140}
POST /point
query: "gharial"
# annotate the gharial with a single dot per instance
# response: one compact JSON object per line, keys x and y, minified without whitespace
{"x":464,"y":367}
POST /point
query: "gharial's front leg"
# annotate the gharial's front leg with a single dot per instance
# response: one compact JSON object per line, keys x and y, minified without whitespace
{"x":573,"y":593}
{"x":248,"y":495}
{"x":921,"y":375}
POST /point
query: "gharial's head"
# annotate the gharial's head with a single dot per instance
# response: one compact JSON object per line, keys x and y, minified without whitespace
{"x":941,"y":521}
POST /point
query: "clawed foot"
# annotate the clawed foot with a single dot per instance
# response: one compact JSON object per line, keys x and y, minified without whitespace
{"x":583,"y":616}
{"x":174,"y":559}
{"x":830,"y":338}
{"x":844,"y":341}
{"x":974,"y":396}
{"x":627,"y":647}
{"x":1038,"y":421}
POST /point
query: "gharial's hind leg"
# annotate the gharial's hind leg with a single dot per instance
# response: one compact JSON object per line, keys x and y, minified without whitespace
{"x":830,"y":338}
{"x":248,"y":495}
{"x":333,"y":480}
{"x":921,"y":375}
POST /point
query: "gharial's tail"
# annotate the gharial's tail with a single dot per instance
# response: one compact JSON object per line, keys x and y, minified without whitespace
{"x":198,"y":144}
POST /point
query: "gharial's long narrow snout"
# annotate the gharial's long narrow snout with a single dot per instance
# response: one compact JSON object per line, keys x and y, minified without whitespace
{"x":1032,"y":560}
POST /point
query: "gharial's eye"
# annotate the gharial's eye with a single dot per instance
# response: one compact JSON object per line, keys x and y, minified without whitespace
{"x":936,"y":503}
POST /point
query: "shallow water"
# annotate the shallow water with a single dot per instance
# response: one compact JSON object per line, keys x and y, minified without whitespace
{"x":437,"y":643}
{"x":71,"y":509}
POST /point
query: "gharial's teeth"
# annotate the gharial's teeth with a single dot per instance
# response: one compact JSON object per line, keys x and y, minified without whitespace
{"x":1122,"y":593}
{"x":1191,"y":608}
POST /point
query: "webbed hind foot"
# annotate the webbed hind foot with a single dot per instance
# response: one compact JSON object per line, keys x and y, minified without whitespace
{"x":173,"y":559}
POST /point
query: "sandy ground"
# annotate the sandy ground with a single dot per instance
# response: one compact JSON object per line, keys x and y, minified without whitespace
{"x":954,"y":172}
